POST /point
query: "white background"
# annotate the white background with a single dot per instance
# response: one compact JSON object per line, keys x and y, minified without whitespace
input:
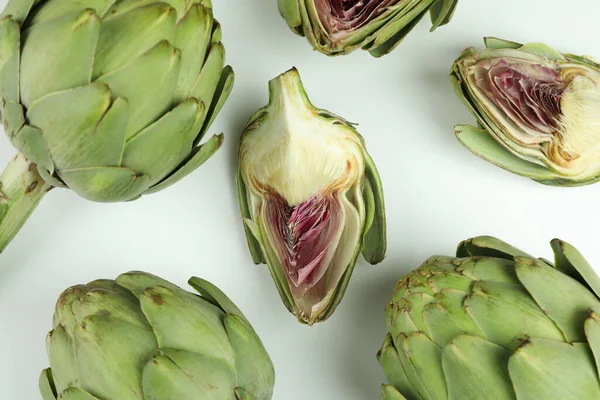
{"x":437,"y":193}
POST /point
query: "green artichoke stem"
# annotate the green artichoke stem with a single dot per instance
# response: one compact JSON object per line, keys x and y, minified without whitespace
{"x":21,"y":190}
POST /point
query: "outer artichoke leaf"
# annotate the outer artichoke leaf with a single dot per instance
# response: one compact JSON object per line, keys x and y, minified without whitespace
{"x":488,"y":246}
{"x":201,"y":332}
{"x":56,"y":9}
{"x":394,"y":372}
{"x":213,"y":294}
{"x":46,"y":384}
{"x":105,"y":184}
{"x":542,"y":50}
{"x":75,"y":393}
{"x":476,"y":369}
{"x":442,"y":12}
{"x":241,"y":394}
{"x":175,"y":375}
{"x":251,"y":235}
{"x":480,"y":143}
{"x":583,"y":59}
{"x":398,"y":319}
{"x":497,"y":43}
{"x":30,"y":141}
{"x":446,"y":318}
{"x":108,"y":365}
{"x":417,"y":302}
{"x":69,"y":44}
{"x":10,"y":37}
{"x":18,"y":9}
{"x":566,"y":301}
{"x":422,"y":362}
{"x":508,"y":315}
{"x":127,"y":35}
{"x":208,"y":79}
{"x":158,"y":149}
{"x":290,"y":11}
{"x":72,"y":138}
{"x":13,"y":119}
{"x":220,"y":96}
{"x":592,"y":332}
{"x":489,"y":269}
{"x":543,"y":369}
{"x":254,"y":368}
{"x":392,"y":34}
{"x":388,"y":392}
{"x":61,"y":354}
{"x":570,"y":261}
{"x":157,"y":71}
{"x":198,"y":157}
{"x":192,"y":37}
{"x":375,"y":237}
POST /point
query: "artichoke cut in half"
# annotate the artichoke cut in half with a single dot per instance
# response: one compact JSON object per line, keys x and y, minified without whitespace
{"x":111,"y":99}
{"x":338,"y":27}
{"x":311,"y":199}
{"x":494,"y":323}
{"x":140,"y":337}
{"x":538,"y":111}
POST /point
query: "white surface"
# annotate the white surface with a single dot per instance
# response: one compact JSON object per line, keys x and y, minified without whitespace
{"x":437,"y":193}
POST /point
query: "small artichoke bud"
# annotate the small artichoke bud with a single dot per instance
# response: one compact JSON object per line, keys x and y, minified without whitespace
{"x":537,"y":111}
{"x":311,"y":199}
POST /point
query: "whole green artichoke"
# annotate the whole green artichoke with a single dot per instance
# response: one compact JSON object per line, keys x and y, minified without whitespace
{"x":141,"y":337}
{"x":338,"y":27}
{"x":537,"y":110}
{"x":311,"y":199}
{"x":495,"y":323}
{"x":108,"y":98}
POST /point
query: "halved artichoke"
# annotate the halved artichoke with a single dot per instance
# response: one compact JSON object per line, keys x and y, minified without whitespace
{"x":337,"y":27}
{"x":311,"y":199}
{"x":537,"y":109}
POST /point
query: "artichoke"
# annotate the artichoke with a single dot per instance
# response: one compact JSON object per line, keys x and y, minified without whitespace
{"x":108,"y":98}
{"x":140,"y":337}
{"x":338,"y":27}
{"x":495,"y":323}
{"x":311,"y":199}
{"x":537,"y":110}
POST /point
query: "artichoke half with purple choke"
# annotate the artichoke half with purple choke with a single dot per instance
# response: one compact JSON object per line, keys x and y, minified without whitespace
{"x":337,"y":27}
{"x":538,"y":110}
{"x":311,"y":199}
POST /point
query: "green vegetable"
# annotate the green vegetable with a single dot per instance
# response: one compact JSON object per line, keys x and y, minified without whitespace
{"x":311,"y":199}
{"x":338,"y":27}
{"x":537,"y":110}
{"x":110,"y":99}
{"x":140,"y":337}
{"x":495,"y":323}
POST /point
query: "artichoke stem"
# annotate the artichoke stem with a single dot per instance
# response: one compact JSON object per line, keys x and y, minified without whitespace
{"x":21,"y":190}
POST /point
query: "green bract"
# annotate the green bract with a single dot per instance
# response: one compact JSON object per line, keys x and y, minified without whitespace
{"x":311,"y":199}
{"x":495,"y":323}
{"x":143,"y":338}
{"x":337,"y":27}
{"x":111,"y":98}
{"x":537,"y":110}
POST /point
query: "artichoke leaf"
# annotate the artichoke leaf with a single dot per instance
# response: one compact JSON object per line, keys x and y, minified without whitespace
{"x":543,"y":369}
{"x":198,"y":156}
{"x":388,"y":392}
{"x":488,"y":246}
{"x":75,"y":393}
{"x":174,"y":375}
{"x":394,"y":372}
{"x":592,"y":333}
{"x":571,"y":262}
{"x":476,"y":369}
{"x":250,"y":228}
{"x":566,"y":301}
{"x":46,"y":384}
{"x":442,"y":12}
{"x":375,"y":237}
{"x":105,"y":184}
{"x":10,"y":37}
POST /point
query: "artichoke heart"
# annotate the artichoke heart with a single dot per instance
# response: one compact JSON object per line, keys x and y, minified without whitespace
{"x":537,"y":111}
{"x":494,"y":323}
{"x":311,"y":199}
{"x":337,"y":27}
